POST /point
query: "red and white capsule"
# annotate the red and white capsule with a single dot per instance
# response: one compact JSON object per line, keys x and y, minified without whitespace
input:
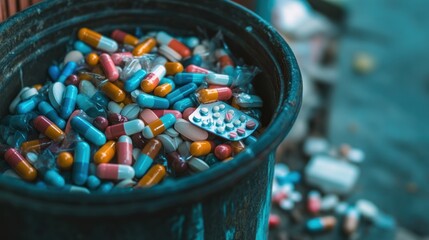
{"x":313,"y":202}
{"x":109,"y":67}
{"x":151,"y":81}
{"x":124,"y":149}
{"x":125,"y":128}
{"x":165,"y":39}
{"x":112,"y":171}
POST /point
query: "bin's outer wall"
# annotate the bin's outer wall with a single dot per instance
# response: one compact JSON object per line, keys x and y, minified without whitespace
{"x":240,"y":212}
{"x":28,"y":214}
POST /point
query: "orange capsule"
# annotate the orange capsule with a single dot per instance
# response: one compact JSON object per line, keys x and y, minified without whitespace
{"x":155,"y":175}
{"x":201,"y":148}
{"x":35,"y":145}
{"x":119,"y":84}
{"x":165,"y":87}
{"x":92,"y":59}
{"x":173,"y":68}
{"x":106,"y":153}
{"x":96,"y":40}
{"x":38,"y":86}
{"x":144,"y":47}
{"x":65,"y":160}
{"x":84,"y":76}
{"x":113,"y":92}
{"x":48,"y":128}
{"x":123,"y":37}
{"x":21,"y":166}
{"x":210,"y":95}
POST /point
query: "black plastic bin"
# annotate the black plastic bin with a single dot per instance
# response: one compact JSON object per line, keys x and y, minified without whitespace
{"x":230,"y":201}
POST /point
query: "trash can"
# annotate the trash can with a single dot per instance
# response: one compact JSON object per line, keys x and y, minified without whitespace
{"x":229,"y":201}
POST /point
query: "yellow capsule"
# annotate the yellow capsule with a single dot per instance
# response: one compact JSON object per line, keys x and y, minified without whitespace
{"x":92,"y":59}
{"x":144,"y":47}
{"x":152,"y":177}
{"x":163,"y":90}
{"x":113,"y":92}
{"x":173,"y":68}
{"x":65,"y":160}
{"x":201,"y":148}
{"x":106,"y":153}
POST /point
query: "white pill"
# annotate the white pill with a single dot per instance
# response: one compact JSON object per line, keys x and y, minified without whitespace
{"x":127,"y":183}
{"x":329,"y":202}
{"x":183,"y":149}
{"x":114,"y":107}
{"x":172,"y":132}
{"x":56,"y":94}
{"x":286,"y":204}
{"x":296,"y":196}
{"x":74,"y":56}
{"x":131,"y":111}
{"x":197,"y":164}
{"x":367,"y":209}
{"x":17,"y":100}
{"x":78,"y":189}
{"x":29,"y":93}
{"x":167,"y":142}
{"x":314,"y":145}
{"x":190,"y":131}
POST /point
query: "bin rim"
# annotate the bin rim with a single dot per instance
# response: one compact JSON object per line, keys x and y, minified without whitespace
{"x":187,"y":189}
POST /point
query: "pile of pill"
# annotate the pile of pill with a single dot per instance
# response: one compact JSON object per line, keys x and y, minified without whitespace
{"x":128,"y":111}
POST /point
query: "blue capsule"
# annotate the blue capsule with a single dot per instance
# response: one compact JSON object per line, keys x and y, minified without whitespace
{"x":194,"y":60}
{"x":81,"y":163}
{"x":53,"y":178}
{"x":28,"y":105}
{"x":181,"y":92}
{"x":185,"y":78}
{"x":134,"y":81}
{"x":54,"y":72}
{"x":47,"y":110}
{"x":90,"y":107}
{"x":148,"y":101}
{"x":93,"y":182}
{"x":68,"y":70}
{"x":69,"y":101}
{"x":183,"y":104}
{"x":82,"y":47}
{"x":88,"y":131}
{"x":190,"y":42}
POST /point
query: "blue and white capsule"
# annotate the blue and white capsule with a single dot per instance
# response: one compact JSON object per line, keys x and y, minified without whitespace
{"x":134,"y":81}
{"x":81,"y":163}
{"x":145,"y":100}
{"x":185,"y":78}
{"x":181,"y":93}
{"x":68,"y":70}
{"x":88,"y":131}
{"x":69,"y":101}
{"x":47,"y":110}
